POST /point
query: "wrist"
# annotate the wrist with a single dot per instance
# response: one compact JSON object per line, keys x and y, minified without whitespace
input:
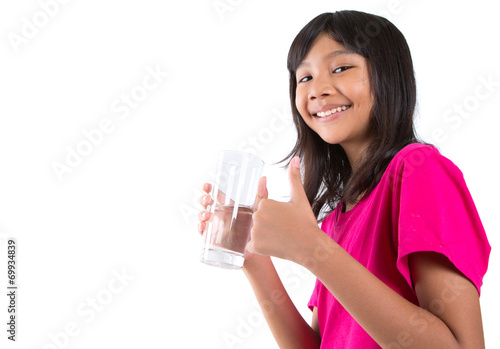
{"x":256,"y":263}
{"x":318,"y":248}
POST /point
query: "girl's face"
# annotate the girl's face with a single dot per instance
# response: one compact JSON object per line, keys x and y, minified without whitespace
{"x":333,"y":95}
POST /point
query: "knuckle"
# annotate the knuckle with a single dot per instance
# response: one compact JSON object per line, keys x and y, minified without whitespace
{"x":263,"y":204}
{"x":204,"y":216}
{"x":256,"y":217}
{"x":201,"y":216}
{"x":257,"y":245}
{"x":256,"y":214}
{"x":254,"y":234}
{"x":206,"y":200}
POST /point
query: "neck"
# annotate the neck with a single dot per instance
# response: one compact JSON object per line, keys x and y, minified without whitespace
{"x":354,"y":153}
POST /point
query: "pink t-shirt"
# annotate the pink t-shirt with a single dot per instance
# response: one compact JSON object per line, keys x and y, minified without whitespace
{"x":421,"y":204}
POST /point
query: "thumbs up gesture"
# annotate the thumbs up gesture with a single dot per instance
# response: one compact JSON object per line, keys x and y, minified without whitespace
{"x":280,"y":229}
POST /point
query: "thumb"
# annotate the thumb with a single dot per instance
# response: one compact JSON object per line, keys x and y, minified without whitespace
{"x":261,"y":192}
{"x":297,"y":191}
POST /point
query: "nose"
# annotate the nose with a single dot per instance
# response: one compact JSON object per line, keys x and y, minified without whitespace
{"x":320,"y":87}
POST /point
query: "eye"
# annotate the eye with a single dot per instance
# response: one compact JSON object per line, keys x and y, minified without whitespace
{"x":341,"y":69}
{"x":305,"y":79}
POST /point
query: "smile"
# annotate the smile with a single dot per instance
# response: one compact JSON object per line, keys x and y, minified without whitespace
{"x":331,"y":111}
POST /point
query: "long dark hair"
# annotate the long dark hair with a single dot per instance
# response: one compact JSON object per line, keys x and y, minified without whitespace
{"x":328,"y":176}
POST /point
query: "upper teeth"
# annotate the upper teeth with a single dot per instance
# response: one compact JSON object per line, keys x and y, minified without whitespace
{"x":332,"y":111}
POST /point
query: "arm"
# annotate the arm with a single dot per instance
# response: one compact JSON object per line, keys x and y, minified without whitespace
{"x":452,"y":318}
{"x":287,"y":325}
{"x":443,"y":290}
{"x":315,"y":323}
{"x":448,"y":315}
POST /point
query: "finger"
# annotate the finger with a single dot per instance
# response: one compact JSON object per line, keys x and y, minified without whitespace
{"x":207,"y":187}
{"x":221,"y":198}
{"x":204,"y":216}
{"x":297,"y":192}
{"x":206,"y":200}
{"x":262,"y":192}
{"x":201,"y":227}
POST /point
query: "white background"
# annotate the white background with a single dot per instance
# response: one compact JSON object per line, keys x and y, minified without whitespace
{"x":130,"y":205}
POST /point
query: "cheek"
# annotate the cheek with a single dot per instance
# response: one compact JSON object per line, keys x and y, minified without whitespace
{"x":362,"y":95}
{"x":365,"y":91}
{"x":300,"y":104}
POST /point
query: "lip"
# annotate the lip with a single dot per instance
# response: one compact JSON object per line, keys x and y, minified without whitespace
{"x":332,"y":116}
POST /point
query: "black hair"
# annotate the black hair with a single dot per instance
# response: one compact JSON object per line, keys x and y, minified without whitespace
{"x":328,"y":175}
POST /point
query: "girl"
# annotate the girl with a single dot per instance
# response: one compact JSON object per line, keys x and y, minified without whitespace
{"x":401,"y":252}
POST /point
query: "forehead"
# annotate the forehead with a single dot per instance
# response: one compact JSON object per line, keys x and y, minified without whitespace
{"x":325,"y":41}
{"x":325,"y":48}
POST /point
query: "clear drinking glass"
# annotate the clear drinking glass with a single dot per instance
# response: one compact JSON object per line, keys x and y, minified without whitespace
{"x":233,"y":192}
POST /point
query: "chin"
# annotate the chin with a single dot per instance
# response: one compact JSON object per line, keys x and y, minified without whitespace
{"x":330,"y":139}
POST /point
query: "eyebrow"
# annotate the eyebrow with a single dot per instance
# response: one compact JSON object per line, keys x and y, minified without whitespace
{"x":330,"y":55}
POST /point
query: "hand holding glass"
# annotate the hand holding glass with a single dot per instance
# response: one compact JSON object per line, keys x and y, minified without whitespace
{"x":234,"y":190}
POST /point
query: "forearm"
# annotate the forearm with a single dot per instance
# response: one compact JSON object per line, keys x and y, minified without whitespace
{"x":390,"y":319}
{"x":287,"y":325}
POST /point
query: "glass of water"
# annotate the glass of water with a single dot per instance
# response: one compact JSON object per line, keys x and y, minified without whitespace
{"x":233,"y":192}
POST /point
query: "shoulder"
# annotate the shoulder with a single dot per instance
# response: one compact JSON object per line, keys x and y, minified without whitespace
{"x":422,"y":159}
{"x":416,"y":153}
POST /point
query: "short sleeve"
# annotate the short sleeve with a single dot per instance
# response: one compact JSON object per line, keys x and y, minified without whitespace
{"x":313,"y":301}
{"x":434,"y":211}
